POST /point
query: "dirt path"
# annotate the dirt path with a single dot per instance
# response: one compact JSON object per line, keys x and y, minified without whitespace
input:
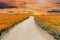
{"x":27,"y":30}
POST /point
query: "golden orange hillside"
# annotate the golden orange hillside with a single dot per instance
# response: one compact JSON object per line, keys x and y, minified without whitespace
{"x":8,"y":18}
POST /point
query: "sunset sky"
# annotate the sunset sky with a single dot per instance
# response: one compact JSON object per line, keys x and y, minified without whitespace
{"x":32,"y":4}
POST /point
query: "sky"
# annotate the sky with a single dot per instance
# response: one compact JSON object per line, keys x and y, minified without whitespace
{"x":32,"y":4}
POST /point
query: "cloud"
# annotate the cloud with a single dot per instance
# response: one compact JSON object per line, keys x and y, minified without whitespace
{"x":30,"y":3}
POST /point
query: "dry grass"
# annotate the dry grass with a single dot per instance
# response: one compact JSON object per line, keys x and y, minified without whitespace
{"x":50,"y":23}
{"x":52,"y":20}
{"x":7,"y":19}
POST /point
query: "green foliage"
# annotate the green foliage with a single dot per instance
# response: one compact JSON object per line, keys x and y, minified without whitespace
{"x":53,"y":32}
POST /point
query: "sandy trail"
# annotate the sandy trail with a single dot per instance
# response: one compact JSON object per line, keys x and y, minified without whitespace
{"x":27,"y":30}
